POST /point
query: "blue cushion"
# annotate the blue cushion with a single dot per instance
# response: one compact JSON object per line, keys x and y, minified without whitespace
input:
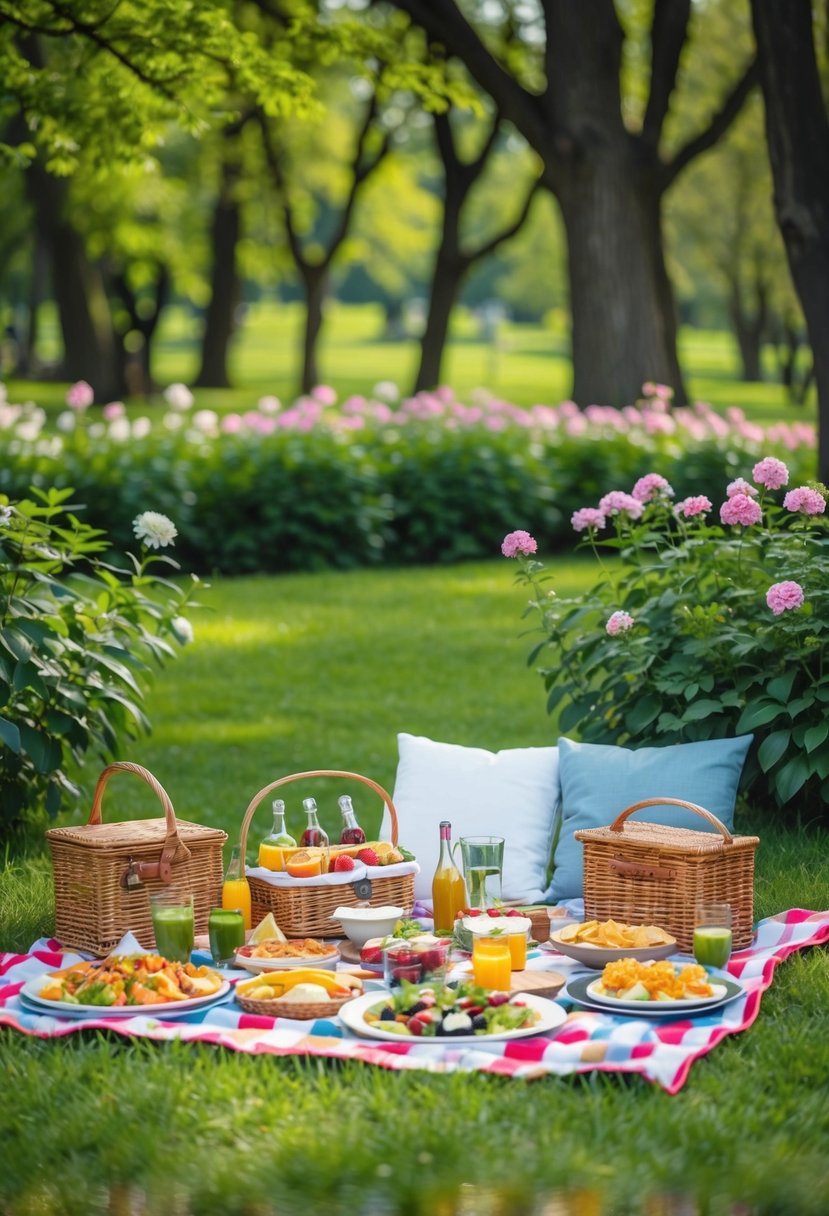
{"x":599,"y":781}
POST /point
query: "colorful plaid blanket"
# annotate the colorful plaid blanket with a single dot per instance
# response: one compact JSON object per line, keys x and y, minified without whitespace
{"x":661,"y":1050}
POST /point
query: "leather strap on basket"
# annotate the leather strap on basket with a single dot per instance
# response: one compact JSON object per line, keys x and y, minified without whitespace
{"x":321,"y":772}
{"x":618,"y":822}
{"x":173,"y":844}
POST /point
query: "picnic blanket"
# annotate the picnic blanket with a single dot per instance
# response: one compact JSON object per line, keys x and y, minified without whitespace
{"x":661,"y":1050}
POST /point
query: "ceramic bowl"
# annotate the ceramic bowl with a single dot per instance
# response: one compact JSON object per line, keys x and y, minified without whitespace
{"x":361,"y":924}
{"x":598,"y":957}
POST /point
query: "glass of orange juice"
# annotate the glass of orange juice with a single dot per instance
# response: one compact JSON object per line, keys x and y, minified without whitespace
{"x":517,"y":936}
{"x":491,"y":962}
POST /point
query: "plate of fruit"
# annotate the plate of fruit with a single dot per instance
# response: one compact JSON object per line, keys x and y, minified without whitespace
{"x":461,"y":1013}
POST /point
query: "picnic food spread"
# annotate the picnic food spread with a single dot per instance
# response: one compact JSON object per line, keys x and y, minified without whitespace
{"x":428,"y":1012}
{"x":630,"y":980}
{"x":146,"y":979}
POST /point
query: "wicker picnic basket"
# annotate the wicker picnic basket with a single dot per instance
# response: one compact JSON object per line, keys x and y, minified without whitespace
{"x":305,"y":910}
{"x":646,"y":873}
{"x":299,"y":1011}
{"x":104,"y":873}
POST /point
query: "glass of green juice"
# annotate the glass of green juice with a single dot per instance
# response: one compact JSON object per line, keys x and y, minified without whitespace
{"x":226,"y":930}
{"x":712,"y":934}
{"x":173,"y":924}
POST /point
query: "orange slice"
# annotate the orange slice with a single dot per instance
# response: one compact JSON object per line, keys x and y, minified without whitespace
{"x":304,"y":864}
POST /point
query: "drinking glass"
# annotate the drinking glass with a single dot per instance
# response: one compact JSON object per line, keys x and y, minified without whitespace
{"x":415,"y":962}
{"x":483,"y":861}
{"x":491,"y":962}
{"x":226,"y":931}
{"x":712,"y":934}
{"x":173,"y":924}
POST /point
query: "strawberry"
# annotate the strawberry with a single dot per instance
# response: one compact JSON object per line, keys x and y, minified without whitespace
{"x":471,"y":912}
{"x":494,"y":912}
{"x":368,"y":857}
{"x":343,"y":862}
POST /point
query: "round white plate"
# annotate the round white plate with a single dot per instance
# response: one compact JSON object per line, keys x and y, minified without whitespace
{"x":352,"y":1016}
{"x":584,"y":990}
{"x":599,"y":956}
{"x":35,"y":1002}
{"x":328,"y":962}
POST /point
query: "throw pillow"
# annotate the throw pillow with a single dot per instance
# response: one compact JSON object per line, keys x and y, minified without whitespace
{"x":512,"y":793}
{"x":598,"y":781}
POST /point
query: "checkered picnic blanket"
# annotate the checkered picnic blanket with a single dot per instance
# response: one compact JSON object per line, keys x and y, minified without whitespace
{"x":661,"y":1050}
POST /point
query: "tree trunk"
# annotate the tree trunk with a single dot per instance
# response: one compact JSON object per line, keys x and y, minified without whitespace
{"x":316,"y":280}
{"x":446,"y":284}
{"x":224,"y":287}
{"x":797,"y":129}
{"x":623,"y":314}
{"x":749,"y":328}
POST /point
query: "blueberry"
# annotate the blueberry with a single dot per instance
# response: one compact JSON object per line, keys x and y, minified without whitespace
{"x":387,"y":1014}
{"x":416,"y":1008}
{"x":479,"y":1022}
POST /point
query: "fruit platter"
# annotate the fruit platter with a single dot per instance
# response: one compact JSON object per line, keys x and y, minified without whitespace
{"x":460,"y":1012}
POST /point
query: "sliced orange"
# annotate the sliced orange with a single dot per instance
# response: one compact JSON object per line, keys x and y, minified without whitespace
{"x":304,"y":864}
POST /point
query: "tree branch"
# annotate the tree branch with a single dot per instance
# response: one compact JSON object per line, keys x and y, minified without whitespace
{"x":506,"y":234}
{"x":274,"y":159}
{"x":361,"y":170}
{"x":717,"y":127}
{"x":669,"y":30}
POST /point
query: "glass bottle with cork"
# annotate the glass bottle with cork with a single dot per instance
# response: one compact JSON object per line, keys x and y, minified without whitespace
{"x":351,"y":832}
{"x":271,"y":854}
{"x":448,"y":887}
{"x":235,"y":887}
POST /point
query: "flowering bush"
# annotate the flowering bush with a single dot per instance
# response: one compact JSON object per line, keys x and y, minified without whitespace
{"x":698,"y":629}
{"x":77,"y":636}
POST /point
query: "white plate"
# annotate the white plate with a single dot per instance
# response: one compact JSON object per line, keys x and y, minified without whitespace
{"x":31,"y":992}
{"x":584,"y":989}
{"x":599,"y":956}
{"x":352,"y":1016}
{"x":328,"y":962}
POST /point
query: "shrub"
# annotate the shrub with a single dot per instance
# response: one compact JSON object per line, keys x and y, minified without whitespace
{"x":78,"y":635}
{"x":699,"y":630}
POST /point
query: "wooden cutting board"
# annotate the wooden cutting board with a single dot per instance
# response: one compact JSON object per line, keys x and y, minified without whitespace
{"x":539,"y":983}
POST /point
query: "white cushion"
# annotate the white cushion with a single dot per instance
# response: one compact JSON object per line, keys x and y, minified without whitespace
{"x":512,"y":793}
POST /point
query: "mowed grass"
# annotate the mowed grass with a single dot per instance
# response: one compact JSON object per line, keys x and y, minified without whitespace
{"x":526,"y":363}
{"x":308,"y":671}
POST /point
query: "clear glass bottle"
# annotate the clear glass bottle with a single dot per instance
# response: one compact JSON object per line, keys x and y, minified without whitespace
{"x":351,"y":832}
{"x":271,"y":849}
{"x":314,"y":835}
{"x":448,"y":887}
{"x":235,"y":887}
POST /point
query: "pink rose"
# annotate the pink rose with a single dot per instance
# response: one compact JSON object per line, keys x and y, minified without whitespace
{"x":518,"y":542}
{"x":651,"y":486}
{"x":619,"y":622}
{"x":696,"y":504}
{"x":805,"y":500}
{"x":80,"y":395}
{"x":587,"y":517}
{"x":740,"y":510}
{"x":781,"y":597}
{"x":740,"y":486}
{"x":771,"y":473}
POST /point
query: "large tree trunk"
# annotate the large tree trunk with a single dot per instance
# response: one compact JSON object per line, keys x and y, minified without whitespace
{"x":224,"y":288}
{"x":316,"y":280}
{"x":443,"y":293}
{"x":798,"y":136}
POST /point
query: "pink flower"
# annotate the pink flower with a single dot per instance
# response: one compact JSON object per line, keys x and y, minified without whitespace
{"x":740,"y":486}
{"x":696,"y":504}
{"x":740,"y":510}
{"x":80,"y":396}
{"x":115,"y":409}
{"x":781,"y":597}
{"x":806,"y":500}
{"x":518,"y":542}
{"x":325,"y":394}
{"x":651,"y":486}
{"x":616,"y":502}
{"x":587,"y":517}
{"x":770,"y":472}
{"x":619,"y":622}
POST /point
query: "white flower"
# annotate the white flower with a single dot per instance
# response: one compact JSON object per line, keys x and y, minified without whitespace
{"x":65,"y":421}
{"x":173,"y":421}
{"x":120,"y":429}
{"x":155,"y":529}
{"x":178,"y":396}
{"x":182,"y":629}
{"x":386,"y":390}
{"x":5,"y":514}
{"x":141,"y":427}
{"x":269,"y":405}
{"x":206,"y":421}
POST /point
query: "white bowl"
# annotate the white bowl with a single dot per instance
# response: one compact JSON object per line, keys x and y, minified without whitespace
{"x":361,"y":924}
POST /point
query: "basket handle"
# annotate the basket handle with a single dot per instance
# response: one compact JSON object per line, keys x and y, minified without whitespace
{"x":616,"y":825}
{"x":321,"y":772}
{"x":173,"y":844}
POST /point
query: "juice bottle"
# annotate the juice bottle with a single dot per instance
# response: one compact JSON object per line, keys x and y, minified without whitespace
{"x":352,"y":833}
{"x":270,"y":850}
{"x":448,"y":888}
{"x":314,"y":835}
{"x":235,"y":888}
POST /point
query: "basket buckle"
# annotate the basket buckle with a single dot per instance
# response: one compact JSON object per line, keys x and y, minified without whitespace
{"x":362,"y":888}
{"x":131,"y":878}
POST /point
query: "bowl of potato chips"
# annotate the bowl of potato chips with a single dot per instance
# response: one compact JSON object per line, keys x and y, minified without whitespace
{"x":595,"y":943}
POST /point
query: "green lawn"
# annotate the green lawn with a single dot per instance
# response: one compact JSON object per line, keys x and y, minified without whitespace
{"x":306,"y":671}
{"x":528,"y":364}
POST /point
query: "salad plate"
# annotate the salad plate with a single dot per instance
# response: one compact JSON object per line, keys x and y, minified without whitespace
{"x":353,"y":1014}
{"x":584,"y":990}
{"x":30,"y":998}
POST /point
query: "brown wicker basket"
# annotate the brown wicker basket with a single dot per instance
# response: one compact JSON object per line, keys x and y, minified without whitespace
{"x":298,"y":1010}
{"x":305,"y":910}
{"x":104,"y":873}
{"x":644,"y":873}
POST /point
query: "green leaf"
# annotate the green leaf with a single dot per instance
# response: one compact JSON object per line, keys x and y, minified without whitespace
{"x":799,"y":704}
{"x":643,"y":713}
{"x":10,"y":735}
{"x":781,"y":686}
{"x":759,"y":713}
{"x":772,"y":748}
{"x":792,"y":778}
{"x":815,"y":735}
{"x":16,"y":643}
{"x":701,"y":709}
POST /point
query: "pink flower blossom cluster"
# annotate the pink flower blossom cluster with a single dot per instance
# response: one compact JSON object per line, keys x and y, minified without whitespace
{"x":619,"y":622}
{"x":695,"y":504}
{"x":784,"y":597}
{"x":587,"y":517}
{"x":740,"y":486}
{"x":616,"y":502}
{"x":518,"y":543}
{"x":740,"y":509}
{"x":805,"y":500}
{"x":652,"y":486}
{"x":80,"y":395}
{"x":771,"y":473}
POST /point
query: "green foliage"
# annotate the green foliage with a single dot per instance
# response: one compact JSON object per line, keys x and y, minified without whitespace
{"x":77,"y":637}
{"x":701,"y":653}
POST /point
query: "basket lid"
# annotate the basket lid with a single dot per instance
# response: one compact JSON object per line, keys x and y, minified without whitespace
{"x":133,"y":833}
{"x":660,"y":835}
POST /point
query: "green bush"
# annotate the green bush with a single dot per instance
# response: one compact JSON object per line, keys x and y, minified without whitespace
{"x":78,"y":635}
{"x":699,"y":631}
